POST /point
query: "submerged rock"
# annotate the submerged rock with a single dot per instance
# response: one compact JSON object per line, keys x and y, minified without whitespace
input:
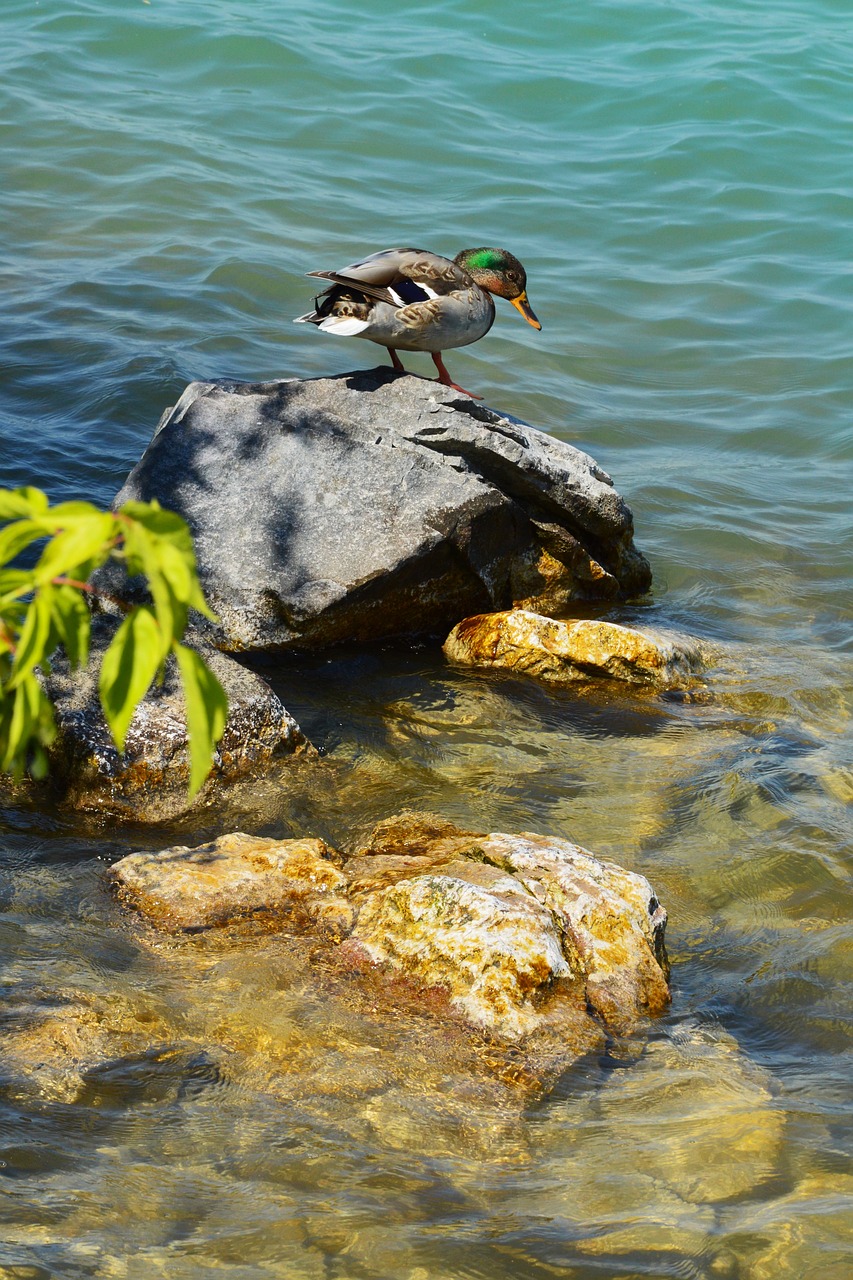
{"x":692,"y":1097}
{"x":148,"y":781}
{"x":234,"y":879}
{"x":714,"y":1099}
{"x":528,"y":937}
{"x":52,"y":1041}
{"x":376,"y":505}
{"x":563,"y":652}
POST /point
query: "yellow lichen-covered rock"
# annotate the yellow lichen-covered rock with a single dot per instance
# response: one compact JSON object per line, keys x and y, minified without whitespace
{"x":610,"y":921}
{"x":233,"y":879}
{"x":526,"y":937}
{"x":504,"y":922}
{"x":566,"y":651}
{"x":490,"y":944}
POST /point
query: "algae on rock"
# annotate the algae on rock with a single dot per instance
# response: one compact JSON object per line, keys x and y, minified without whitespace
{"x":571,"y":650}
{"x":527,"y":937}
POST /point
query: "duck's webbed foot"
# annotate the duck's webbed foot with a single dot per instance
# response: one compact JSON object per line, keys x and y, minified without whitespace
{"x":445,"y":379}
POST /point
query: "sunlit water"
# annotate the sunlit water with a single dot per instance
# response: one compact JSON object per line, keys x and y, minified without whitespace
{"x":675,"y":178}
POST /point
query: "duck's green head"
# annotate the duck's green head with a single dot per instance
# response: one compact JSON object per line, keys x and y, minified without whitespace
{"x":499,"y":272}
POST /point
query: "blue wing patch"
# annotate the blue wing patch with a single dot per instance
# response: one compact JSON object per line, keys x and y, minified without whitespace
{"x":410,"y":291}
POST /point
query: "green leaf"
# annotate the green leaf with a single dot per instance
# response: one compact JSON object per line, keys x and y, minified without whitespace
{"x":15,"y":503}
{"x":129,"y":666}
{"x":38,"y":611}
{"x":39,"y":764}
{"x":14,"y":728}
{"x":207,"y":712}
{"x":71,"y":620}
{"x":65,"y":511}
{"x":83,"y":543}
{"x":14,"y":583}
{"x":25,"y":716}
{"x":11,"y":620}
{"x":143,"y":556}
{"x":159,"y":523}
{"x":17,"y":536}
{"x":34,"y":645}
{"x":159,"y":544}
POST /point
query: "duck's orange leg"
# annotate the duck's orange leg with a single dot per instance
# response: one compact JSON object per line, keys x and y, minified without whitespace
{"x":445,"y":379}
{"x":395,"y":360}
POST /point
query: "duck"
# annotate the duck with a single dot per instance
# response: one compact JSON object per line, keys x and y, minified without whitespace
{"x":417,"y":300}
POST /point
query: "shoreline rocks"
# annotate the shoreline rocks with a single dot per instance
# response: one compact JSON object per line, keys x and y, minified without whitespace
{"x":527,"y":936}
{"x":148,"y":781}
{"x":568,"y":651}
{"x":375,"y":505}
{"x":370,"y":506}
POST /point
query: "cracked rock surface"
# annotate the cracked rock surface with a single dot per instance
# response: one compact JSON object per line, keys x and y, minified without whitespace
{"x":526,"y":936}
{"x":375,"y":505}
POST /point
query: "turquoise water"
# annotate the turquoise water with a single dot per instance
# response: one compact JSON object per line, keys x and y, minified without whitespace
{"x":676,"y":180}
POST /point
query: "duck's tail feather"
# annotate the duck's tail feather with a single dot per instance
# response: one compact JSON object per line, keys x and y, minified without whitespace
{"x":343,"y":326}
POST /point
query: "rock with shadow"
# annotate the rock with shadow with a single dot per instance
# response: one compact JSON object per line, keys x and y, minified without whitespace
{"x":375,"y":505}
{"x":148,"y":782}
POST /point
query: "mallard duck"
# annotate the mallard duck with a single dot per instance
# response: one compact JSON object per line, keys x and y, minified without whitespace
{"x":415,"y":300}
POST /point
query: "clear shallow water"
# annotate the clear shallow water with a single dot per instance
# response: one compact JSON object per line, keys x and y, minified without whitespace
{"x":676,"y":182}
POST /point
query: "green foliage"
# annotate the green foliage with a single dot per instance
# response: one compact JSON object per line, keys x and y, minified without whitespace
{"x":44,"y":607}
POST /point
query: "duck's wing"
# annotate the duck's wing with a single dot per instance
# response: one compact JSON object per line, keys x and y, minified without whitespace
{"x":400,"y":277}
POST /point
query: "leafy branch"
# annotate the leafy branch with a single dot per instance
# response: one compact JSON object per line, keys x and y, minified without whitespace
{"x":44,"y":607}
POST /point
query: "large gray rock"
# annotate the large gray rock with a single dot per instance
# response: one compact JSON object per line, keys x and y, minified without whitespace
{"x":376,"y":504}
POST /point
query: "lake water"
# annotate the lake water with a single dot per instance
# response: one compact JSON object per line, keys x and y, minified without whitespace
{"x":676,"y":179}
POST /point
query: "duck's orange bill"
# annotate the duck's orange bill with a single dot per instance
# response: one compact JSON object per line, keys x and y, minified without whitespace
{"x":521,"y":304}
